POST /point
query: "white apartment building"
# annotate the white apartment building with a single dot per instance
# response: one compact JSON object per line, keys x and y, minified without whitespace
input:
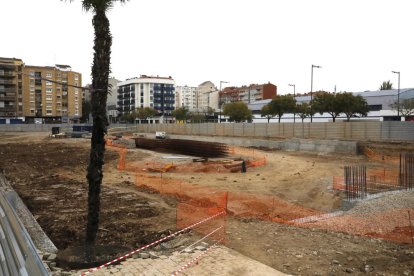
{"x":208,"y":96}
{"x":186,"y":96}
{"x":147,"y":91}
{"x":112,"y":100}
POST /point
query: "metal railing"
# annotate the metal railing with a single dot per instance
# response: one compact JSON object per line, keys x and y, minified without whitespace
{"x":18,"y":254}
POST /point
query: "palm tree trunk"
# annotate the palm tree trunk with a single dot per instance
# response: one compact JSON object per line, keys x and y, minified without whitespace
{"x":100,"y":73}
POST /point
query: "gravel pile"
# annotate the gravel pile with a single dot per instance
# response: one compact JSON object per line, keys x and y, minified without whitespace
{"x":387,"y":201}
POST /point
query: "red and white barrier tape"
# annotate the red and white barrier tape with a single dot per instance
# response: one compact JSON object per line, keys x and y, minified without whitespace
{"x":153,"y":243}
{"x":195,"y":259}
{"x":203,"y":238}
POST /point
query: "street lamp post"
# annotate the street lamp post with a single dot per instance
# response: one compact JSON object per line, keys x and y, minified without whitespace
{"x":311,"y":111}
{"x":220,"y":100}
{"x":294,"y":97}
{"x":398,"y":94}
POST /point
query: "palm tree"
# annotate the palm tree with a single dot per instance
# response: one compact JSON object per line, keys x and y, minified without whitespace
{"x":386,"y":85}
{"x":99,"y":93}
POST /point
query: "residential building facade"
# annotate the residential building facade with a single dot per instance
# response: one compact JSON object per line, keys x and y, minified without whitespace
{"x":112,"y":100}
{"x":11,"y":87}
{"x":147,"y":91}
{"x":186,"y":96}
{"x":53,"y":93}
{"x":207,"y":96}
{"x":248,"y":94}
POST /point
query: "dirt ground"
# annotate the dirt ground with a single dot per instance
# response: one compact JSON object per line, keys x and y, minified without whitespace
{"x":49,"y":175}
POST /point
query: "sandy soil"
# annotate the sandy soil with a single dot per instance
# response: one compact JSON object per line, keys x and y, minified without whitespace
{"x":49,"y":175}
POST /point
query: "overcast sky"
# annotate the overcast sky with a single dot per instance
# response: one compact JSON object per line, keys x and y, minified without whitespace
{"x":357,"y":42}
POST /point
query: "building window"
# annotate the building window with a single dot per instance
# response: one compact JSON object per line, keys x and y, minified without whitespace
{"x":48,"y":75}
{"x":49,"y":90}
{"x":32,"y":88}
{"x":48,"y":83}
{"x":76,"y":77}
{"x":375,"y":107}
{"x":48,"y":111}
{"x":31,"y":73}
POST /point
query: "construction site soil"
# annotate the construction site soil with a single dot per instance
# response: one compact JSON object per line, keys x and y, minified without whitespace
{"x":49,"y":175}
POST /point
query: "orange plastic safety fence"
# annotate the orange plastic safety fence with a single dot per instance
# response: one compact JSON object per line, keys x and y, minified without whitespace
{"x":215,"y":228}
{"x":201,"y":202}
{"x":378,"y":180}
{"x":266,"y":207}
{"x":393,"y":225}
{"x":338,"y":183}
{"x":376,"y":156}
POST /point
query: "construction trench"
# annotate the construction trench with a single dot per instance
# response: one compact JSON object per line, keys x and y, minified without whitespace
{"x":166,"y":175}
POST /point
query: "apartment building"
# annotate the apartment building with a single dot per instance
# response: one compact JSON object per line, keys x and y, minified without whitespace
{"x":186,"y":96}
{"x":11,"y":88}
{"x":53,"y":93}
{"x":147,"y":91}
{"x":248,"y":93}
{"x":207,"y":96}
{"x":112,"y":100}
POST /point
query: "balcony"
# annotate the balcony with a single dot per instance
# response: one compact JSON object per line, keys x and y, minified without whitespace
{"x":8,"y":90}
{"x":7,"y":98}
{"x":8,"y":74}
{"x":8,"y":108}
{"x":3,"y":81}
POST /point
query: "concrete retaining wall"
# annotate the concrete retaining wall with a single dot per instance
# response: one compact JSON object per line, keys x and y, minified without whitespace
{"x":294,"y":144}
{"x":367,"y":131}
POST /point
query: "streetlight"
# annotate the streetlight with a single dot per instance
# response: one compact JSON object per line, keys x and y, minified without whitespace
{"x":398,"y":94}
{"x":313,"y":66}
{"x":220,"y":101}
{"x":294,"y":97}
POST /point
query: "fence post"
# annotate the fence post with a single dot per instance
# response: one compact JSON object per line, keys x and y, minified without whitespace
{"x":411,"y":228}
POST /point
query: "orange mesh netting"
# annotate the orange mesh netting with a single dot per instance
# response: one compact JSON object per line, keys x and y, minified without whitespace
{"x":392,"y":225}
{"x":200,"y":202}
